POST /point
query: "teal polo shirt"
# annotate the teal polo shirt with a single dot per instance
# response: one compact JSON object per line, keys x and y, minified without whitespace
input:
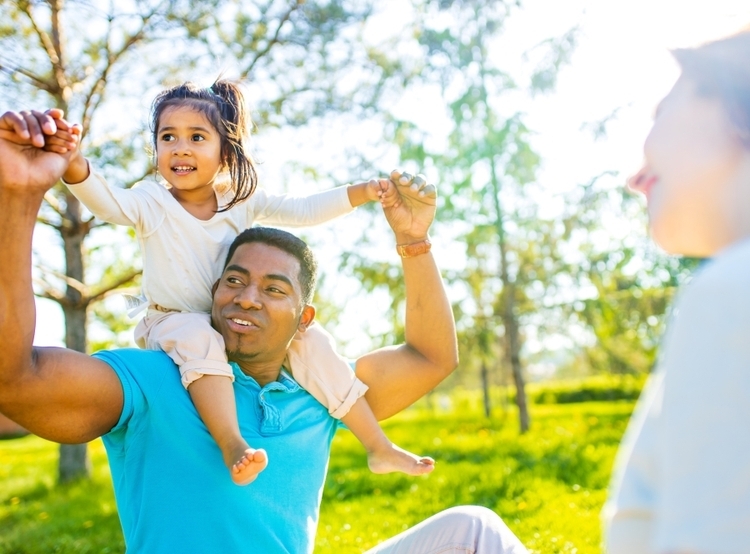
{"x":174,"y":493}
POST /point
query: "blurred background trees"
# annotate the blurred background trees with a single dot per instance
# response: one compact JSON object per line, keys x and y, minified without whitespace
{"x":348,"y":78}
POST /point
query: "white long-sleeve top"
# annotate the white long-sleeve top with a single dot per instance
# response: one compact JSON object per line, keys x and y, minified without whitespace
{"x":182,"y":255}
{"x":682,"y":479}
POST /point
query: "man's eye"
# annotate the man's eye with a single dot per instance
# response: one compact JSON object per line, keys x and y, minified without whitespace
{"x":233,"y":280}
{"x":275,"y":290}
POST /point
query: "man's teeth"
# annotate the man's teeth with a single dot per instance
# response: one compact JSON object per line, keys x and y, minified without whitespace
{"x":241,"y":322}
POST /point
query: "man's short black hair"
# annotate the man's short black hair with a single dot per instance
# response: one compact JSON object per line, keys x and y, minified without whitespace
{"x":308,"y":273}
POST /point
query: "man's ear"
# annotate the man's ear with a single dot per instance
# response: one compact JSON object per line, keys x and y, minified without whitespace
{"x":306,"y":318}
{"x":214,"y":287}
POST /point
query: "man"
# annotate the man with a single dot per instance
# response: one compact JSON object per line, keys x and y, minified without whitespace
{"x":171,"y":489}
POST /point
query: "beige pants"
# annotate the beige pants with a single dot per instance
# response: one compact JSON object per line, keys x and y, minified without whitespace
{"x":198,"y":350}
{"x":460,"y":530}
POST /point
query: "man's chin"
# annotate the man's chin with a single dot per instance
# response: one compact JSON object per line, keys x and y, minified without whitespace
{"x":240,"y":355}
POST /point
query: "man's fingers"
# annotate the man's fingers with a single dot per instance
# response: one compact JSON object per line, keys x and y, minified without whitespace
{"x":416,"y":183}
{"x":15,"y":121}
{"x":47,"y":122}
{"x":14,"y":137}
{"x":429,"y":191}
{"x":35,"y":127}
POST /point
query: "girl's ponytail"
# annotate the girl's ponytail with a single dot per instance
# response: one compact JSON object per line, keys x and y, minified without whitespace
{"x":223,"y":104}
{"x":237,"y":124}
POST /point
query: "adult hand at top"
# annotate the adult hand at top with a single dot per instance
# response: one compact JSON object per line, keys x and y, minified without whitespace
{"x":412,"y":214}
{"x":25,"y":166}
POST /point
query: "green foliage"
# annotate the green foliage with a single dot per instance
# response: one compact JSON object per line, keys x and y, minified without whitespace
{"x":630,"y":282}
{"x":602,"y":388}
{"x":548,"y":485}
{"x":596,"y":388}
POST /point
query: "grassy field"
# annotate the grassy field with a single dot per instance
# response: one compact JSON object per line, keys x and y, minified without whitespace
{"x":548,"y":485}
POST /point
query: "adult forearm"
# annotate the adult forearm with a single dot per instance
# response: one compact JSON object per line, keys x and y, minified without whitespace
{"x":18,"y":214}
{"x":429,"y":326}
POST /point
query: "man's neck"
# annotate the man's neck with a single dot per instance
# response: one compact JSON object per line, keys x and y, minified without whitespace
{"x":262,"y":372}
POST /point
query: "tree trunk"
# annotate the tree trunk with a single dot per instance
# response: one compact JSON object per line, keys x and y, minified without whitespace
{"x":486,"y":390}
{"x":512,"y":350}
{"x":510,"y":322}
{"x":73,"y":457}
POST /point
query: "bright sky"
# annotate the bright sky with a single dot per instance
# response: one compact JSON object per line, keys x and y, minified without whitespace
{"x":621,"y":62}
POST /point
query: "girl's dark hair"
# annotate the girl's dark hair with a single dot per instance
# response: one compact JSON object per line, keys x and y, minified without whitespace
{"x":721,"y":69}
{"x":224,"y":106}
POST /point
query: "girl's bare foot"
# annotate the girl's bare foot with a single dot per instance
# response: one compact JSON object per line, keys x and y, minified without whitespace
{"x":393,"y":458}
{"x":245,"y":464}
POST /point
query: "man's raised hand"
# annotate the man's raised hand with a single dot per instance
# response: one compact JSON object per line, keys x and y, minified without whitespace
{"x":413,"y":212}
{"x":26,"y":166}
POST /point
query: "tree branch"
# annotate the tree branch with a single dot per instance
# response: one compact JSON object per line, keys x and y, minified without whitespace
{"x":41,"y":84}
{"x":273,"y":41}
{"x":69,"y":281}
{"x":53,"y":203}
{"x":117,"y":283}
{"x":52,"y":47}
{"x":44,"y":221}
{"x":49,"y":292}
{"x":59,"y":64}
{"x":97,"y":89}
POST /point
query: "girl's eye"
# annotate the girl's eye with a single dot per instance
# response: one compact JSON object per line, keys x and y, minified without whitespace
{"x":198,"y":138}
{"x":167,"y":137}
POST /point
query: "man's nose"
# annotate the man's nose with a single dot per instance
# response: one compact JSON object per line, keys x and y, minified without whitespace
{"x":249,"y":298}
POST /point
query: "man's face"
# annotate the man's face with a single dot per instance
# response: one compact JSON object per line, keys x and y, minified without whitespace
{"x":257,"y":304}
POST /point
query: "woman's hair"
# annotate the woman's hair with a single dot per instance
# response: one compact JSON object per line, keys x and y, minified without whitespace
{"x":721,"y":69}
{"x":224,"y":106}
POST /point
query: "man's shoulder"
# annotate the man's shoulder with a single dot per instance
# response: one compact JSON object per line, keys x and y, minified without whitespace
{"x":139,"y":365}
{"x":134,"y":356}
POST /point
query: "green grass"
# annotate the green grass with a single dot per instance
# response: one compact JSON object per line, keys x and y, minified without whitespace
{"x":548,"y":485}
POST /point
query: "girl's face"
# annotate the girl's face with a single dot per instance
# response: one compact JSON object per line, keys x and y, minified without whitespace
{"x":188,"y":149}
{"x":696,"y":171}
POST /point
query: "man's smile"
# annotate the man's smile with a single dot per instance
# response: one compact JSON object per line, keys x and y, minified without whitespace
{"x":242,"y":324}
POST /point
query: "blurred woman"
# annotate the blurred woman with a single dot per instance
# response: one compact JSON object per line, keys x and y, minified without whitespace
{"x":682,"y":477}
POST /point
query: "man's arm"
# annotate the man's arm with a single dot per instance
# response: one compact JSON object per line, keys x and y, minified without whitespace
{"x":55,"y":393}
{"x":400,"y":375}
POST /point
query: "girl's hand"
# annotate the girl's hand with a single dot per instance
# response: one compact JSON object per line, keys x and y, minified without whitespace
{"x":382,"y":191}
{"x":66,"y":138}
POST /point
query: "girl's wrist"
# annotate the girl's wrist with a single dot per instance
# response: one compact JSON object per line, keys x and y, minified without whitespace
{"x":78,"y":171}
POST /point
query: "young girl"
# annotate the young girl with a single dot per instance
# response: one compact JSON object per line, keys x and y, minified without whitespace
{"x":184,"y":230}
{"x":683,"y":480}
